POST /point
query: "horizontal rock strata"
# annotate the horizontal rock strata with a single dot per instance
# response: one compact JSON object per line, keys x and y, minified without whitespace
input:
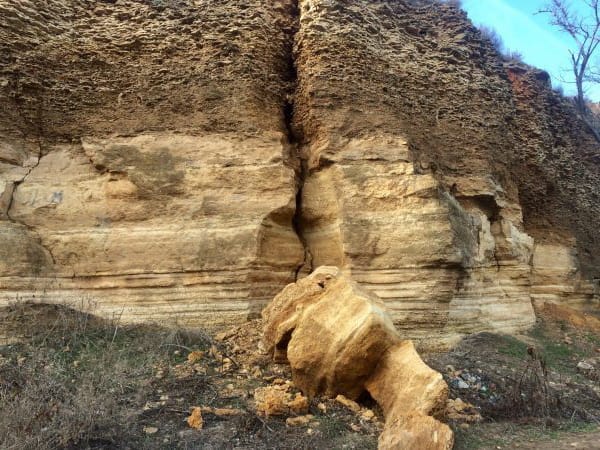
{"x":165,"y":227}
{"x":431,"y":223}
{"x":186,"y":160}
{"x":145,"y":168}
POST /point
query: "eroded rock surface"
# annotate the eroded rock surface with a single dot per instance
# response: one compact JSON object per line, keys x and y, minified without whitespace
{"x":186,"y":160}
{"x":340,"y":341}
{"x":405,"y":189}
{"x":144,"y":161}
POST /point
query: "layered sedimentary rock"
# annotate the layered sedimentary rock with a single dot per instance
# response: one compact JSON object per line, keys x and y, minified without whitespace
{"x":145,"y":165}
{"x":557,"y":278}
{"x":165,"y":228}
{"x":403,"y":188}
{"x":559,"y":181}
{"x":357,"y":350}
{"x":188,"y":159}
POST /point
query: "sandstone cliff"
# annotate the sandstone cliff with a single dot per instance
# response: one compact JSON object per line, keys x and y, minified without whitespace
{"x":145,"y":162}
{"x":187,"y":159}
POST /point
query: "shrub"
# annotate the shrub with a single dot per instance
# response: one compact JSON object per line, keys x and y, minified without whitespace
{"x":492,"y":35}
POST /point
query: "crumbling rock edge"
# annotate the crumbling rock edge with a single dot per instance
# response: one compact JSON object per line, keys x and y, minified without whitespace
{"x":339,"y":340}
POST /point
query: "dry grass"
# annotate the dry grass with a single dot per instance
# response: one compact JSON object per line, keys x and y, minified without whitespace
{"x":532,"y":395}
{"x":77,"y":381}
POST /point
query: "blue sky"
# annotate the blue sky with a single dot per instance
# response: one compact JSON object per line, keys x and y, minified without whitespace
{"x":530,"y":34}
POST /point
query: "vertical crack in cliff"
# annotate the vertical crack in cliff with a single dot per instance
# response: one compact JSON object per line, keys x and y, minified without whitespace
{"x":17,"y":183}
{"x":295,"y":139}
{"x":297,"y":220}
{"x":11,"y":199}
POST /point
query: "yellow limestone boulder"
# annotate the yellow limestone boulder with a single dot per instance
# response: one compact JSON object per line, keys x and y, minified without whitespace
{"x":334,"y":332}
{"x":339,"y":340}
{"x":410,"y":393}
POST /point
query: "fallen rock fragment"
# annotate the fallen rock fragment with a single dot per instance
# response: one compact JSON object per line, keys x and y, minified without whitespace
{"x":351,"y":324}
{"x":299,"y":421}
{"x":278,"y":401}
{"x":299,"y":404}
{"x":415,"y":432}
{"x":368,"y":414}
{"x":403,"y":382}
{"x":227,"y":412}
{"x":221,"y":412}
{"x":350,"y":404}
{"x":195,"y":419}
{"x":409,"y":392}
{"x":271,"y":401}
{"x":195,"y":356}
{"x":461,"y":411}
{"x":340,"y":341}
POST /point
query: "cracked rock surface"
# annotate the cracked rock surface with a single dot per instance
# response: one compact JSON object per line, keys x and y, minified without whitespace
{"x":188,"y":159}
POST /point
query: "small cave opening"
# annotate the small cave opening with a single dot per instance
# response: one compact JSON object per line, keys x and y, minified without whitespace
{"x":281,"y":348}
{"x":367,"y":401}
{"x":485,"y":203}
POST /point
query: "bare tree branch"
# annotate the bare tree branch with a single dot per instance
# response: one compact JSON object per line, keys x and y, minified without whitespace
{"x":585,"y":32}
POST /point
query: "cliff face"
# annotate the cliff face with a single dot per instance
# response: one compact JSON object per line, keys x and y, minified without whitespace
{"x":558,"y":175}
{"x":188,"y":159}
{"x":145,"y":163}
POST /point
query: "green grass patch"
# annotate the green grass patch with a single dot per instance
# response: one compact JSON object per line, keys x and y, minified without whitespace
{"x":512,"y":346}
{"x":558,"y":355}
{"x":593,"y":339}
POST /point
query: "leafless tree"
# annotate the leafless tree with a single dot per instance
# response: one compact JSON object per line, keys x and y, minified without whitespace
{"x":584,"y":29}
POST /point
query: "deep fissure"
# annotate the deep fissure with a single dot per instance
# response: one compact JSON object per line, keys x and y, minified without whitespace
{"x":296,"y":140}
{"x":297,"y":220}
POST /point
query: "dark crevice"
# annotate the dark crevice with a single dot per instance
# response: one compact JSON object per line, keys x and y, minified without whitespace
{"x":296,"y":141}
{"x":297,"y":223}
{"x":281,"y":347}
{"x":288,"y":116}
